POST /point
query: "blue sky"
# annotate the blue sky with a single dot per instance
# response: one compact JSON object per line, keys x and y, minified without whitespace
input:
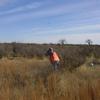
{"x":47,"y":21}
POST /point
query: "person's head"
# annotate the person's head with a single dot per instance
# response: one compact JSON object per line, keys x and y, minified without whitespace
{"x":49,"y":51}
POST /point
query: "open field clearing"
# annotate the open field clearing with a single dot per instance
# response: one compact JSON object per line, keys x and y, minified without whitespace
{"x":32,"y":79}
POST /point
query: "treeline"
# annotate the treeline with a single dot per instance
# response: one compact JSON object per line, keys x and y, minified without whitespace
{"x":21,"y":50}
{"x":71,"y":55}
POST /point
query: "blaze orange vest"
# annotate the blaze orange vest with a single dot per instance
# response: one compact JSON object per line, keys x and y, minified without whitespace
{"x":54,"y":57}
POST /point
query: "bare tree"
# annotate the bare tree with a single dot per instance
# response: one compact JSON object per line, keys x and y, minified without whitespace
{"x":62,"y":41}
{"x":89,"y":42}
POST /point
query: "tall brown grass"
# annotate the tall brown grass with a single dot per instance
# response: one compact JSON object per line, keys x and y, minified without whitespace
{"x":32,"y":79}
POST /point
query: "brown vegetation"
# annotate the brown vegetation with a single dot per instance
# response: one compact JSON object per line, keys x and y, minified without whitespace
{"x":72,"y":56}
{"x":32,"y":79}
{"x":25,"y":72}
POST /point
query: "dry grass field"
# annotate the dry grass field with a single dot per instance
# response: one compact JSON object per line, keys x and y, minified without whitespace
{"x":32,"y":79}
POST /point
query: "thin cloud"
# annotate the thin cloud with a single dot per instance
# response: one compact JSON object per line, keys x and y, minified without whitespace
{"x":49,"y":11}
{"x":74,"y":35}
{"x":66,"y":30}
{"x":70,"y":38}
{"x":79,"y":38}
{"x":22,"y":8}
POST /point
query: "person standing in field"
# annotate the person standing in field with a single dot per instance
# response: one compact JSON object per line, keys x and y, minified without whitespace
{"x":54,"y":58}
